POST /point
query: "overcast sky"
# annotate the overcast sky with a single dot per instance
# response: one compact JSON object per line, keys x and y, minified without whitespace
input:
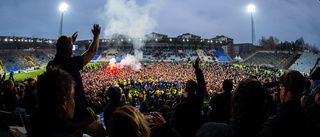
{"x":284,"y":19}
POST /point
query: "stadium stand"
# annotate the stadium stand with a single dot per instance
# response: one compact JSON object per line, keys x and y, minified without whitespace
{"x":187,"y":54}
{"x":124,"y":51}
{"x":12,"y":58}
{"x":267,"y":58}
{"x":109,"y":54}
{"x":288,"y":61}
{"x":221,"y":56}
{"x":305,"y":62}
{"x":22,"y":60}
{"x":204,"y":56}
{"x":97,"y":55}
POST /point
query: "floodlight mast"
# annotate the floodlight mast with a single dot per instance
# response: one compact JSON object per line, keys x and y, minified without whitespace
{"x":251,"y":9}
{"x":63,"y":7}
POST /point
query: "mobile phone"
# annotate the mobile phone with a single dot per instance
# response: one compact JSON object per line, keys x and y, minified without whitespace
{"x":148,"y":117}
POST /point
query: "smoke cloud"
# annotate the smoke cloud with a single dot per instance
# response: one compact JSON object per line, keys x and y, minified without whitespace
{"x":131,"y":62}
{"x":128,"y":18}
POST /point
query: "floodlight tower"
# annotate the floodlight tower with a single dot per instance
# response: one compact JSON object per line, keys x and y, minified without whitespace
{"x":63,"y":7}
{"x":251,"y":9}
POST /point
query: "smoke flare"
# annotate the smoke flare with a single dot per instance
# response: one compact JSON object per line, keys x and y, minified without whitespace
{"x":128,"y":18}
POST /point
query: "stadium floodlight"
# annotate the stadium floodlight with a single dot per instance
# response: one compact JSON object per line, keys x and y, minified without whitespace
{"x":251,"y":9}
{"x":63,"y":7}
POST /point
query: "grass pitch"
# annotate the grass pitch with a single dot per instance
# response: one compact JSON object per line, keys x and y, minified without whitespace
{"x":23,"y":76}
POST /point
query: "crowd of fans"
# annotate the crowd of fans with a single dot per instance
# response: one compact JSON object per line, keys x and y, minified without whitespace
{"x":162,"y":99}
{"x":163,"y":82}
{"x":155,"y":89}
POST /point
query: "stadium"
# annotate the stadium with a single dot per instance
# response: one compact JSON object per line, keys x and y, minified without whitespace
{"x":27,"y":57}
{"x":23,"y":54}
{"x":133,"y":79}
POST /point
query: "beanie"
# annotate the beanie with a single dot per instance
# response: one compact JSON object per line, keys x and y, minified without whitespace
{"x":293,"y":81}
{"x":114,"y":93}
{"x":316,"y":88}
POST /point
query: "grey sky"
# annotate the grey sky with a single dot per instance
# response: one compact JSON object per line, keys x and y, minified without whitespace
{"x":284,"y":19}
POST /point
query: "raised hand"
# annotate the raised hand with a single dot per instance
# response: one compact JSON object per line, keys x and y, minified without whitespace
{"x":74,"y":36}
{"x":158,"y":119}
{"x":196,"y":64}
{"x":96,"y":30}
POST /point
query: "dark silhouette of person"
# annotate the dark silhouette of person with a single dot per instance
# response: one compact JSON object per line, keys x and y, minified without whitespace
{"x":290,"y":119}
{"x":114,"y":94}
{"x":55,"y":90}
{"x":64,"y":58}
{"x":221,"y":104}
{"x":185,"y":117}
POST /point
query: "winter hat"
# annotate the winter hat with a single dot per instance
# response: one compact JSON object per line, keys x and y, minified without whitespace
{"x":114,"y":93}
{"x":316,"y":88}
{"x":293,"y":81}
